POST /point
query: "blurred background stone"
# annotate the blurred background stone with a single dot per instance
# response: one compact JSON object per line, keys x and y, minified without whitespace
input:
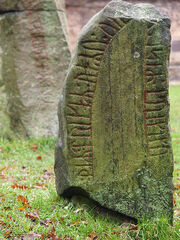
{"x":35,"y":57}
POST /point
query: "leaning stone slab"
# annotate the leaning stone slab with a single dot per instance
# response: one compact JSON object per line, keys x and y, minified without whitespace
{"x":114,"y":142}
{"x":35,"y":59}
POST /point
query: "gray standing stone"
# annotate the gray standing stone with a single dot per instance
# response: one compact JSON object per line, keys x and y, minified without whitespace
{"x":114,"y":142}
{"x":35,"y":59}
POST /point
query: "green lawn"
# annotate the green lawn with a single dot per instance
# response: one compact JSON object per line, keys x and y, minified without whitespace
{"x":31,"y":209}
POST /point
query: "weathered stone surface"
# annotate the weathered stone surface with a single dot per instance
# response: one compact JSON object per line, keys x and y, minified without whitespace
{"x":35,"y":61}
{"x":15,"y":5}
{"x":4,"y":119}
{"x":114,"y":142}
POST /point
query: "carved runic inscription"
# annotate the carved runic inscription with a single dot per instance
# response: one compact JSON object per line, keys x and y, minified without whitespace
{"x":80,"y":95}
{"x":155,"y":98}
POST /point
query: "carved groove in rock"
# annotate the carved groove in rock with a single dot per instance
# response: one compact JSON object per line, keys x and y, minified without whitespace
{"x":83,"y":123}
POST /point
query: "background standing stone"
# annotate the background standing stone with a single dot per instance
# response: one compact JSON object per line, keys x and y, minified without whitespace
{"x":5,"y":130}
{"x":34,"y":62}
{"x":114,"y":143}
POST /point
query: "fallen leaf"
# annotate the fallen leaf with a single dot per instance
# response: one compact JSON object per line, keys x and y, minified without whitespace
{"x":38,"y":157}
{"x":2,"y":169}
{"x":52,"y":235}
{"x":6,"y":208}
{"x":33,"y":216}
{"x":32,"y":236}
{"x":92,"y":236}
{"x":21,"y":209}
{"x":174,"y":202}
{"x":22,"y":199}
{"x":23,"y":187}
{"x":76,"y":224}
{"x":8,"y":232}
{"x":134,"y":228}
{"x":116,"y":232}
{"x":8,"y":216}
{"x":39,"y":185}
{"x":68,"y":238}
{"x":34,"y":147}
{"x":46,"y":222}
{"x":2,"y":223}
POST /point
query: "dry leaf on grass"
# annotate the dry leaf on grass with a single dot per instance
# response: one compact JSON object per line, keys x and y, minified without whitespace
{"x":22,"y":199}
{"x":7,"y":233}
{"x":2,"y":169}
{"x":33,"y":216}
{"x":52,"y":235}
{"x":134,"y":228}
{"x":34,"y":147}
{"x":46,"y":222}
{"x":21,"y":209}
{"x":8,"y":216}
{"x":32,"y":236}
{"x":6,"y":208}
{"x":2,"y":223}
{"x":23,"y":187}
{"x":174,"y":202}
{"x":177,"y":187}
{"x":39,"y":185}
{"x":38,"y":158}
{"x":92,"y":236}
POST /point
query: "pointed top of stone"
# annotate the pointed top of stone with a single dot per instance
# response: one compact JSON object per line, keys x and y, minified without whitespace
{"x":121,"y":8}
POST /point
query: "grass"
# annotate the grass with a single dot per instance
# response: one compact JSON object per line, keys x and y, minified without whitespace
{"x":31,"y":209}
